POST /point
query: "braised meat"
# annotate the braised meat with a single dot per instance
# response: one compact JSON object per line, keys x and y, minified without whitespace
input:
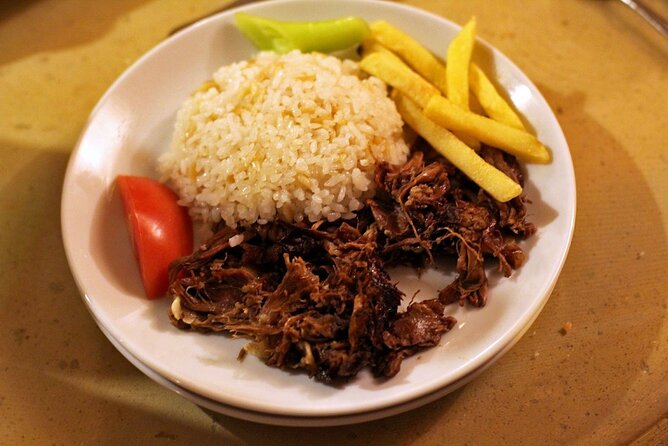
{"x":427,"y":209}
{"x":317,"y":297}
{"x":309,"y":298}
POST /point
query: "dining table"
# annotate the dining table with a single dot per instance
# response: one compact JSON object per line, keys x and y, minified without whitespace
{"x":591,"y":370}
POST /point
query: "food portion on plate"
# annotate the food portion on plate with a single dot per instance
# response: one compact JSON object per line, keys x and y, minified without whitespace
{"x":291,"y":137}
{"x":324,"y":36}
{"x":315,"y":174}
{"x":160,"y":229}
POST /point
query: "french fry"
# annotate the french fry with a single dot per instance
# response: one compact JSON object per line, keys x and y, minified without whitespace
{"x":373,"y":46}
{"x":457,"y":70}
{"x":491,"y":101}
{"x":407,"y":48}
{"x":509,"y":139}
{"x":488,"y":177}
{"x":457,"y":73}
{"x":395,"y":72}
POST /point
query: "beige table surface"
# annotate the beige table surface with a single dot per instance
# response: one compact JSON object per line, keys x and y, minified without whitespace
{"x":603,"y":71}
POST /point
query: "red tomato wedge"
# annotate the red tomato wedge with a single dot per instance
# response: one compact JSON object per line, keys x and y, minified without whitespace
{"x":160,"y":229}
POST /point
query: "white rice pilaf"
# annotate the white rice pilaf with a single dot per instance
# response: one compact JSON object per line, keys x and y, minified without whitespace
{"x":295,"y":136}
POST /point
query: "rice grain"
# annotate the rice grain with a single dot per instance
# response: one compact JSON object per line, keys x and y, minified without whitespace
{"x":294,"y":136}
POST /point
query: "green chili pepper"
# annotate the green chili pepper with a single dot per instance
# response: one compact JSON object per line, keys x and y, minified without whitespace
{"x":323,"y":36}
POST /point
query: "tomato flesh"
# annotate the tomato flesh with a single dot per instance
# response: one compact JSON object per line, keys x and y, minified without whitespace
{"x":160,"y":229}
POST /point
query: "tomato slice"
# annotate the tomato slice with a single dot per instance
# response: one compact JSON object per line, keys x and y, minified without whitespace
{"x":160,"y":229}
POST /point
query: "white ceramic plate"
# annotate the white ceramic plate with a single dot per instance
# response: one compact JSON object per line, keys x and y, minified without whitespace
{"x":305,"y":421}
{"x":132,"y":125}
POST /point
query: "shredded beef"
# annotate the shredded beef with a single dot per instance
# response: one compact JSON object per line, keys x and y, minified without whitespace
{"x":318,"y":298}
{"x":312,"y":298}
{"x":428,"y":209}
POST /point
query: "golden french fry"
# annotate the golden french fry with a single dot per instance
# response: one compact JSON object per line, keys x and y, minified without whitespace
{"x":373,"y":46}
{"x":491,"y":101}
{"x":459,"y":59}
{"x":389,"y":68}
{"x":488,"y":177}
{"x":410,"y":50}
{"x":468,"y":140}
{"x":509,"y":139}
{"x":457,"y":73}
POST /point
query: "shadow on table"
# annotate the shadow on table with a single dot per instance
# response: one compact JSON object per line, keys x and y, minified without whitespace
{"x":594,"y":382}
{"x":34,"y":26}
{"x":47,"y":334}
{"x":396,"y":430}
